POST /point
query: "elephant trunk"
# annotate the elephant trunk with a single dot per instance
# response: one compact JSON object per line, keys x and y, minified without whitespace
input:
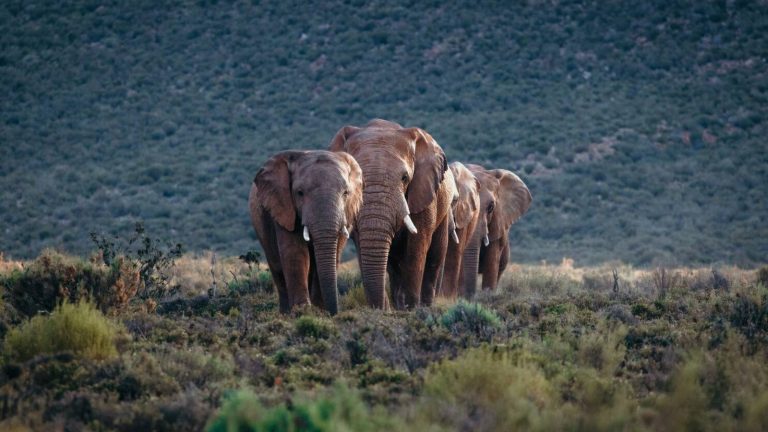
{"x":470,"y":265}
{"x":375,"y":234}
{"x":325,"y":248}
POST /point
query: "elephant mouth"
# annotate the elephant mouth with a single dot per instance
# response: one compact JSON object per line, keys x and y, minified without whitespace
{"x":307,"y":238}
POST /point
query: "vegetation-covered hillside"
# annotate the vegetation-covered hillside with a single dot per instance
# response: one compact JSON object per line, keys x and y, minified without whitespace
{"x":640,"y":127}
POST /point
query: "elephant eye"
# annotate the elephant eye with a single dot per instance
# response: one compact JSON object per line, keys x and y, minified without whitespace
{"x":300,"y":193}
{"x":405,"y":178}
{"x":346,"y":193}
{"x":491,"y":205}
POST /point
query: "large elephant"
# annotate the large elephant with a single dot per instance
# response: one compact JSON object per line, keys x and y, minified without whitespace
{"x":461,"y":259}
{"x":402,"y":227}
{"x":504,"y":198}
{"x":303,"y":205}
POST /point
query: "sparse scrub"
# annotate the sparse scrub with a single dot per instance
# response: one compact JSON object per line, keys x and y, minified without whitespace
{"x":54,"y":277}
{"x":469,"y":316}
{"x":314,"y":327}
{"x":354,"y":298}
{"x":76,"y":327}
{"x":153,"y":259}
{"x":579,"y":357}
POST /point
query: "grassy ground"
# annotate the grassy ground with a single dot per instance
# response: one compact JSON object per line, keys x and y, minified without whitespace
{"x":555,"y":348}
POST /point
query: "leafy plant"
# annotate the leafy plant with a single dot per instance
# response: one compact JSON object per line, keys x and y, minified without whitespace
{"x":75,"y":327}
{"x":314,"y":327}
{"x":342,"y":409}
{"x":470,"y":315}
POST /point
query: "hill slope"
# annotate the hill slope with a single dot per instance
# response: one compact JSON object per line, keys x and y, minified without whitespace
{"x":640,"y":128}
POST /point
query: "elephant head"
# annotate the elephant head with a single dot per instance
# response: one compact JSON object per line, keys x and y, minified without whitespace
{"x":319,"y":194}
{"x":504,"y":198}
{"x":402,"y":171}
{"x":466,"y":212}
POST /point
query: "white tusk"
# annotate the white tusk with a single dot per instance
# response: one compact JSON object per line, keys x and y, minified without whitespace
{"x":485,"y":240}
{"x":454,"y":236}
{"x":345,"y":231}
{"x":410,"y":225}
{"x":306,"y":233}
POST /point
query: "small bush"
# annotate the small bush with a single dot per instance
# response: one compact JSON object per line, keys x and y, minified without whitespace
{"x":354,"y":298}
{"x":53,"y":277}
{"x":79,"y":328}
{"x":486,"y":391}
{"x":314,"y":327}
{"x":471,"y":315}
{"x":342,"y":410}
{"x":154,"y":260}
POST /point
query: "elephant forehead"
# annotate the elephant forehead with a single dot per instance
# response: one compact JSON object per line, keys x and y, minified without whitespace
{"x":321,"y":172}
{"x":383,"y":153}
{"x":487,"y":181}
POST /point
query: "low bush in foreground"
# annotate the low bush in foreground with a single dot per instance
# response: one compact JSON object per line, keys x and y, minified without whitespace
{"x":341,"y":410}
{"x":470,"y":315}
{"x":76,"y":327}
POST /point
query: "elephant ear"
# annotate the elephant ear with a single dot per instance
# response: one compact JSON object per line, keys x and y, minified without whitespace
{"x":469,"y":195}
{"x":514,"y":196}
{"x":339,"y":141}
{"x":355,"y":198}
{"x":273,"y":188}
{"x":428,"y":170}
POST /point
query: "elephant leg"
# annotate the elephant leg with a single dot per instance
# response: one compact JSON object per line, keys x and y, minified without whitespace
{"x":434,"y":263}
{"x":395,"y":285}
{"x":268,"y":238}
{"x":315,"y":294}
{"x":453,"y":269}
{"x":278,"y":278}
{"x":489,"y":265}
{"x":294,"y":258}
{"x":412,"y":266}
{"x":504,"y":258}
{"x":395,"y":272}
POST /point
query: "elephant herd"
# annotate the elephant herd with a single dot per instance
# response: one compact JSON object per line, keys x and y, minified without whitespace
{"x":430,"y":226}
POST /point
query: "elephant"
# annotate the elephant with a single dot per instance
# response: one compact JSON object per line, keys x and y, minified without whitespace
{"x":402,"y":228}
{"x":461,"y":259}
{"x":504,"y":199}
{"x":303,"y":205}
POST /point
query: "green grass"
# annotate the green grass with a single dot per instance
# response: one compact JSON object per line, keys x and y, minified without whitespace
{"x":77,"y":328}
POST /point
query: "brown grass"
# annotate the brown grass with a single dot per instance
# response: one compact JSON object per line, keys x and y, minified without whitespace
{"x":8,"y":265}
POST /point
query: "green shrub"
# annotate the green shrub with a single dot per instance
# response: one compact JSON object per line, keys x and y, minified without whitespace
{"x":79,"y":328}
{"x":471,"y":315}
{"x":341,"y":410}
{"x":486,"y":391}
{"x":314,"y":327}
